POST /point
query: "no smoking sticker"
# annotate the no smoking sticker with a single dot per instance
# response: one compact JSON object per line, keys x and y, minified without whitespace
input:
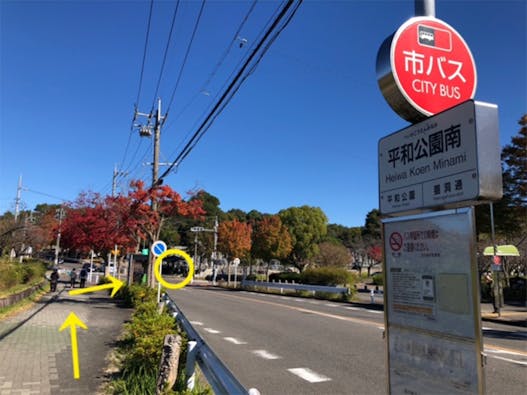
{"x":396,"y":241}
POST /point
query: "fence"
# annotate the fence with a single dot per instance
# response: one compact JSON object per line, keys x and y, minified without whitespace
{"x":219,"y":377}
{"x":296,"y":287}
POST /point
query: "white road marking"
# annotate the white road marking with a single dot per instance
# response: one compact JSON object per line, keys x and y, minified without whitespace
{"x":233,"y":340}
{"x":381,"y":328}
{"x":198,"y":323}
{"x":508,"y":360}
{"x":503,"y":352}
{"x":375,"y":311}
{"x":352,"y":308}
{"x":210,"y":330}
{"x":265,"y":355}
{"x":331,"y":305}
{"x":300,"y":300}
{"x":309,"y":375}
{"x":313,"y":302}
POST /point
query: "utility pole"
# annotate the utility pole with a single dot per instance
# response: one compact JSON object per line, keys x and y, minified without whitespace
{"x":60,"y":213}
{"x":18,"y":197}
{"x":146,"y":131}
{"x":116,"y":173}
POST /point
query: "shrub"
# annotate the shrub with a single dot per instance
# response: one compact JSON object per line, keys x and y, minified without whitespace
{"x":378,"y":279}
{"x":286,"y":276}
{"x":330,"y":276}
{"x":14,"y":273}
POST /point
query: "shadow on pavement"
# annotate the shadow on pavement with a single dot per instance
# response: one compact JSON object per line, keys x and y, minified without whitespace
{"x":44,"y":305}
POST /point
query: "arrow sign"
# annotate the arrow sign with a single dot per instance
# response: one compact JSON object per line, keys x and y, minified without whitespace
{"x":115,"y":284}
{"x":73,"y":321}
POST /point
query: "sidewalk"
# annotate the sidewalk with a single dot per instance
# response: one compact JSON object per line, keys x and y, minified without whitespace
{"x":36,"y":357}
{"x":515,"y":315}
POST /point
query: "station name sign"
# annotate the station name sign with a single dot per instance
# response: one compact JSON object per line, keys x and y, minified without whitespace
{"x":449,"y":160}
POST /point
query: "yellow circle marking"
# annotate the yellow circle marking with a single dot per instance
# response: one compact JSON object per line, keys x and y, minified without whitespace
{"x":180,"y":253}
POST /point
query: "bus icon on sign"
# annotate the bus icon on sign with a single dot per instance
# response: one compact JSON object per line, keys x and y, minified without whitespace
{"x":433,"y":37}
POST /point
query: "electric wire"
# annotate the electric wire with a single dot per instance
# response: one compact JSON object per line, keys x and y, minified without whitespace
{"x":212,"y":74}
{"x":174,"y":16}
{"x":147,"y":36}
{"x":196,"y":25}
{"x":144,"y":53}
{"x":216,"y":68}
{"x":220,"y":104}
{"x":264,"y":34}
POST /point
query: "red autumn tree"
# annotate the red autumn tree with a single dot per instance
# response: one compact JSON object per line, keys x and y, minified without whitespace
{"x":149,"y":208}
{"x":271,"y":239}
{"x":234,"y":238}
{"x":93,"y":223}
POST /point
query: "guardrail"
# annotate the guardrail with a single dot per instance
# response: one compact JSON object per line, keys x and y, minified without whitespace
{"x":217,"y":374}
{"x":296,"y":287}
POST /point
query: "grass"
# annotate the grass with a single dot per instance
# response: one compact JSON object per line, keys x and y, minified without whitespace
{"x":24,"y":304}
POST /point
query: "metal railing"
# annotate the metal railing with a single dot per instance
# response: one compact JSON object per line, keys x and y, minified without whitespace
{"x":296,"y":287}
{"x":217,"y":374}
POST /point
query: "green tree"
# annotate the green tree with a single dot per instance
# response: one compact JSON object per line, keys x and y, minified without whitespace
{"x":332,"y":254}
{"x":372,"y":226}
{"x":307,"y":227}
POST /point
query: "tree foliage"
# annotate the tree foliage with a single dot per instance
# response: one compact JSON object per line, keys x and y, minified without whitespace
{"x":271,"y":239}
{"x":307,"y":227}
{"x":234,"y":239}
{"x":332,"y":254}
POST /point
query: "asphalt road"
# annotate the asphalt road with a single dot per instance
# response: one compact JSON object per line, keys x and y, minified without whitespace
{"x":291,"y":345}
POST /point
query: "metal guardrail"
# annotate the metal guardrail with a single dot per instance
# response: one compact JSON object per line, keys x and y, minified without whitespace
{"x":293,"y":286}
{"x":217,"y":374}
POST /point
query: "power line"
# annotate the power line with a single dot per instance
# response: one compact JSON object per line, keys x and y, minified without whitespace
{"x":196,"y":25}
{"x":220,"y":105}
{"x":222,"y":58}
{"x":144,"y":53}
{"x":140,"y":82}
{"x":174,"y":16}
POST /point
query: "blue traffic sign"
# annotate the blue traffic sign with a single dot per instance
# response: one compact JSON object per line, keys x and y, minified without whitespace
{"x":158,"y":247}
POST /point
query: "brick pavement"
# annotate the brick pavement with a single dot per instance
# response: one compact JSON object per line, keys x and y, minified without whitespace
{"x":35,"y":358}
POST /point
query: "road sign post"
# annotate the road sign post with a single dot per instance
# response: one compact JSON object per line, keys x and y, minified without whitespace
{"x":158,"y":248}
{"x":448,"y":158}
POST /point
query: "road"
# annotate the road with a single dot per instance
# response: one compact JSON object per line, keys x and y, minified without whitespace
{"x":292,"y":345}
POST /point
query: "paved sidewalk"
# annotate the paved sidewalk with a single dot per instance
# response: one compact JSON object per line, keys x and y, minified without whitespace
{"x":36,"y":358}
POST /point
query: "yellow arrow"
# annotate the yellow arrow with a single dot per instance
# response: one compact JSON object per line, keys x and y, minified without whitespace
{"x":73,"y":321}
{"x":115,"y":284}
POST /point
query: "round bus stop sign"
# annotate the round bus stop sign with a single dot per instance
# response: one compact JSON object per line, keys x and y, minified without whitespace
{"x":424,"y":68}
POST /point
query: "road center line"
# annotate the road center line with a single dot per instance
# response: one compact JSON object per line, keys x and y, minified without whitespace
{"x":309,"y":375}
{"x":210,"y":330}
{"x":265,"y":355}
{"x":233,"y":340}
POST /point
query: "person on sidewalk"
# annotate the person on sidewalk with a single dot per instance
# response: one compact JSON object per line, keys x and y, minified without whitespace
{"x":83,"y":276}
{"x":53,"y":280}
{"x":73,"y":277}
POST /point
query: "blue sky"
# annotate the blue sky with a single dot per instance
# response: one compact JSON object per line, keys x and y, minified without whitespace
{"x":303,"y":129}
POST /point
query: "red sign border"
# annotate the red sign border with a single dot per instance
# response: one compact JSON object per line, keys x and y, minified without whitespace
{"x":396,"y":36}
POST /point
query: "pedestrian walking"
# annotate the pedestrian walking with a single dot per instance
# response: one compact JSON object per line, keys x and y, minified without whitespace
{"x":83,"y":276}
{"x":73,"y":277}
{"x":53,"y":280}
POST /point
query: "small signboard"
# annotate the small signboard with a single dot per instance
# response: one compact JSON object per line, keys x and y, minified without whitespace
{"x":432,"y":310}
{"x":197,"y":229}
{"x":449,"y":160}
